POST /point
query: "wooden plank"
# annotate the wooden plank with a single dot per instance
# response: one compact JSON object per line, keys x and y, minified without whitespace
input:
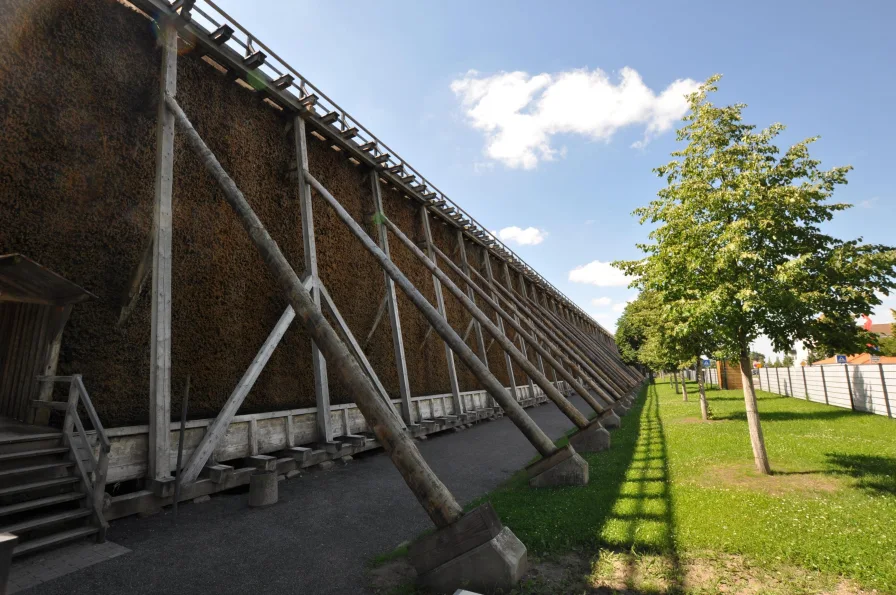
{"x":318,"y":363}
{"x":401,"y":365}
{"x":160,"y":340}
{"x":487,"y":261}
{"x":219,"y":427}
{"x":138,"y":278}
{"x":440,"y":306}
{"x":356,"y":350}
{"x":381,"y":310}
{"x":509,"y":281}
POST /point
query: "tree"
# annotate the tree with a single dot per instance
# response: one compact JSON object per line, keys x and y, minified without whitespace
{"x":887,"y":345}
{"x":777,"y":363}
{"x":738,"y":240}
{"x":757,"y":357}
{"x":787,"y":362}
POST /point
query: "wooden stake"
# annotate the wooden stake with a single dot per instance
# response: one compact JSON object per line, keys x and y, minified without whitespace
{"x":178,"y":480}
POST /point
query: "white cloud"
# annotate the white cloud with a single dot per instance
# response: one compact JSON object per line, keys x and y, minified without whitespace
{"x":602,"y":274}
{"x":867,"y":204}
{"x":531,"y":236}
{"x":601,"y":301}
{"x":519,"y":113}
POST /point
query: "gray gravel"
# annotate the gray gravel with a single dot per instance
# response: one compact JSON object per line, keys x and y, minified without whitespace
{"x":318,"y":537}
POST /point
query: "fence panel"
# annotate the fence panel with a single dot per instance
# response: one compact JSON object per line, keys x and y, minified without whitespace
{"x":869,"y":387}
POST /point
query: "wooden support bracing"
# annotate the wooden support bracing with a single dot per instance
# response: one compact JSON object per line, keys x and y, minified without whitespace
{"x":318,"y":363}
{"x":480,"y":338}
{"x":500,"y":337}
{"x":432,"y":494}
{"x":440,"y":303}
{"x":401,"y":364}
{"x":380,"y":312}
{"x":356,"y":350}
{"x":160,"y":339}
{"x":506,"y":344}
{"x":138,"y":278}
{"x":486,"y":260}
{"x":509,"y":282}
{"x":512,"y":409}
{"x":218,"y":428}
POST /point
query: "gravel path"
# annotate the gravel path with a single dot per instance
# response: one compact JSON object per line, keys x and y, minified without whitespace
{"x":318,"y":537}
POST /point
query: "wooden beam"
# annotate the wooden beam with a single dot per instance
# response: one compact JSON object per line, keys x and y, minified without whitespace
{"x":401,"y":364}
{"x":509,"y":281}
{"x":380,"y":311}
{"x":138,"y":279}
{"x":160,"y":339}
{"x":440,"y":305}
{"x":318,"y":363}
{"x":218,"y":428}
{"x":487,"y":261}
{"x":432,"y":494}
{"x":356,"y":350}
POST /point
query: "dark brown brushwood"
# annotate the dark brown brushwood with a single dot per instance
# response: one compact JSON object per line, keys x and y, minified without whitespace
{"x":511,"y":407}
{"x":438,"y":502}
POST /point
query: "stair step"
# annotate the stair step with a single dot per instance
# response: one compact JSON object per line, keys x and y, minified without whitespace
{"x":33,"y":453}
{"x":43,"y":521}
{"x":40,"y":503}
{"x":34,"y":468}
{"x":30,"y":438}
{"x":54,"y":539}
{"x":37,"y":485}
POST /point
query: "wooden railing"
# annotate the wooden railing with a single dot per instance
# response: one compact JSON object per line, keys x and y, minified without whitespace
{"x":76,"y":438}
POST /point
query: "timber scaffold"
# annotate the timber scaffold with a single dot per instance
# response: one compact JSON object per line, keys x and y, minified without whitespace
{"x":573,"y":355}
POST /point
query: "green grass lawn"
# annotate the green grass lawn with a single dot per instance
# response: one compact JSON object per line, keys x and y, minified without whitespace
{"x":676,"y":497}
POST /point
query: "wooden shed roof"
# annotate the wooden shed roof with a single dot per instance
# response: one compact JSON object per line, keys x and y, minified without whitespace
{"x":23,"y":280}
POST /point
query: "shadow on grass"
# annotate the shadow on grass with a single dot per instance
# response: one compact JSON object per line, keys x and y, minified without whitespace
{"x":832,"y":415}
{"x":873,"y":473}
{"x":641,"y":518}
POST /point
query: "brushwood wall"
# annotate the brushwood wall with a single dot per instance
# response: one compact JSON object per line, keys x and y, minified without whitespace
{"x":79,"y":90}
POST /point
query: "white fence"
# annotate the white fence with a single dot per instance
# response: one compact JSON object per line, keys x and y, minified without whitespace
{"x":868,"y":388}
{"x":710,"y":375}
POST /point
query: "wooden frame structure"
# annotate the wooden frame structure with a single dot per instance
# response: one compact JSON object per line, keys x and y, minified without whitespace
{"x":579,"y":352}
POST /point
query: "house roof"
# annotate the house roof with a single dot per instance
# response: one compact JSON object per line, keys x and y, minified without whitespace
{"x":854,"y":360}
{"x":884,"y":329}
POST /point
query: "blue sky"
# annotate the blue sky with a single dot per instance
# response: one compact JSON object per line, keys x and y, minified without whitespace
{"x":570,"y":169}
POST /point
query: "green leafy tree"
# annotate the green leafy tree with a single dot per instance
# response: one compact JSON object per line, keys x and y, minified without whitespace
{"x":757,"y":357}
{"x":787,"y":362}
{"x":738,"y":241}
{"x":888,"y":344}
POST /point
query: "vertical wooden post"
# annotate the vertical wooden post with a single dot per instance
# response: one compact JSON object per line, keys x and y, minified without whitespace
{"x":883,"y":385}
{"x":401,"y":364}
{"x":487,"y":260}
{"x":790,"y":383}
{"x":526,"y":297}
{"x":318,"y":363}
{"x":852,"y":403}
{"x":509,"y":281}
{"x":440,"y":304}
{"x":477,"y":328}
{"x":159,"y":463}
{"x":778,"y":380}
{"x":824,"y":386}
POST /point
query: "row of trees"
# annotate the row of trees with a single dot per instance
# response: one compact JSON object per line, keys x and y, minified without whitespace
{"x":737,"y":251}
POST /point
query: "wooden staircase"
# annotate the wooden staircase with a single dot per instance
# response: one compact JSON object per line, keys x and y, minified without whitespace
{"x":52,"y":485}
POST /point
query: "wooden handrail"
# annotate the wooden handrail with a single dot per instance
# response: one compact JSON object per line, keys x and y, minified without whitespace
{"x":91,"y":413}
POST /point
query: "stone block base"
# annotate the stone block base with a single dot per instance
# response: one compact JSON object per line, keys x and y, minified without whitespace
{"x":477,"y":552}
{"x":263,"y":489}
{"x":620,"y":408}
{"x":609,"y":419}
{"x":563,"y":468}
{"x":594,"y":438}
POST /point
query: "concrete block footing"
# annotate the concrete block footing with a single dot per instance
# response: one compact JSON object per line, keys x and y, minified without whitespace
{"x":263,"y":488}
{"x":594,"y":438}
{"x":620,"y":408}
{"x":562,"y":468}
{"x":477,"y":552}
{"x":609,"y":419}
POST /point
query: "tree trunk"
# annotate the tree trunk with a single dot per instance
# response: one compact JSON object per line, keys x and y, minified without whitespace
{"x":756,"y":438}
{"x":675,"y":380}
{"x":684,"y":385}
{"x":704,"y":408}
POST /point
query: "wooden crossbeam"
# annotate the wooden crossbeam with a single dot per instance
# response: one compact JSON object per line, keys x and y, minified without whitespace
{"x":376,"y":321}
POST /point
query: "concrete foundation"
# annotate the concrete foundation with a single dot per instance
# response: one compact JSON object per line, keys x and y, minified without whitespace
{"x":594,"y":438}
{"x":263,"y":488}
{"x":620,"y":408}
{"x":563,"y":468}
{"x":477,"y":552}
{"x":609,"y":419}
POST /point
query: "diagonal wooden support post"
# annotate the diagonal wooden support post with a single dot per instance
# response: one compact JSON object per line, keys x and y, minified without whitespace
{"x":318,"y":362}
{"x":401,"y":364}
{"x":218,"y":427}
{"x":432,"y":494}
{"x":524,"y":292}
{"x":512,"y":409}
{"x":480,"y":338}
{"x":440,"y":304}
{"x":159,"y":459}
{"x":487,"y":261}
{"x":509,"y":281}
